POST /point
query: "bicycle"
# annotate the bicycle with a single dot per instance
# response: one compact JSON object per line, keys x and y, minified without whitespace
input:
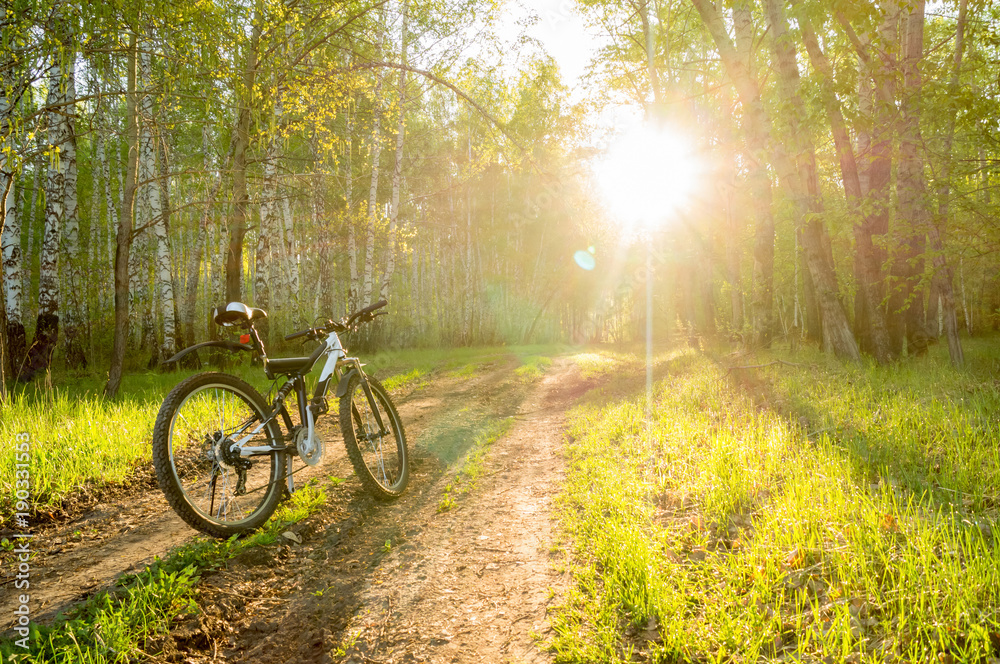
{"x":221,"y":458}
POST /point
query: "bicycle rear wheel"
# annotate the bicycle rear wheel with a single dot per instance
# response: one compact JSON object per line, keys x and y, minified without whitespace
{"x":377,"y":452}
{"x":208,"y":483}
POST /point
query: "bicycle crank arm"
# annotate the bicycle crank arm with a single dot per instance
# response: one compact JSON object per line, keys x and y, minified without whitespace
{"x":262,"y":450}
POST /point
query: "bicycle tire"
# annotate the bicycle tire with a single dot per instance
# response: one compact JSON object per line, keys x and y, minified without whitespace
{"x":382,"y":469}
{"x":196,"y":418}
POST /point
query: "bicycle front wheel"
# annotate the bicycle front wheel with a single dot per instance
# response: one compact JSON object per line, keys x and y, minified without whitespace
{"x":374,"y":437}
{"x":201,"y":426}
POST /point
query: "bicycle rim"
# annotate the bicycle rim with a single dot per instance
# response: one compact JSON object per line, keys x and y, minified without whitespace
{"x":383,"y":450}
{"x":209,"y":478}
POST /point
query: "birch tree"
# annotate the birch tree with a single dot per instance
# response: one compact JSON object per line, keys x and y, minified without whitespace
{"x":151,"y":174}
{"x":60,"y":203}
{"x":123,"y":245}
{"x":371,"y":213}
{"x":397,"y":171}
{"x":943,"y":275}
{"x":10,"y":249}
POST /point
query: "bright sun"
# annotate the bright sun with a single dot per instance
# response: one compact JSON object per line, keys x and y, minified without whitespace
{"x":647,"y":175}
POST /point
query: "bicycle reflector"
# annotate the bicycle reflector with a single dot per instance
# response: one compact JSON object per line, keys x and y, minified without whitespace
{"x":244,"y":338}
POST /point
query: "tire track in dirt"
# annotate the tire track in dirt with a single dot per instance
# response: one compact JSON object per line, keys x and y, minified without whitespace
{"x":401,"y":582}
{"x":291,"y":602}
{"x":81,"y":557}
{"x":475,"y":584}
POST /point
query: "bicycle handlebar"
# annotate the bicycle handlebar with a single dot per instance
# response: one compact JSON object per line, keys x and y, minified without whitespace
{"x":366,"y":310}
{"x":364,"y":315}
{"x":296,"y":335}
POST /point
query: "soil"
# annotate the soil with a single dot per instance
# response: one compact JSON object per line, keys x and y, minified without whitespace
{"x":369,"y":582}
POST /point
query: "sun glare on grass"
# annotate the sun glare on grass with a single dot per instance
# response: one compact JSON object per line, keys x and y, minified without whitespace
{"x":647,"y":175}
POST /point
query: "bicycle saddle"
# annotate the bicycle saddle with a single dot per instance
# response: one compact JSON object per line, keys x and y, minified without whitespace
{"x":237,"y":312}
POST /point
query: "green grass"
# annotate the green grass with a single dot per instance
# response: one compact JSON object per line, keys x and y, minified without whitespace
{"x":465,"y":371}
{"x":791,"y":514}
{"x":119,"y":624}
{"x":470,"y":468}
{"x":81,"y":441}
{"x":600,"y":363}
{"x":399,"y":381}
{"x":532,"y":368}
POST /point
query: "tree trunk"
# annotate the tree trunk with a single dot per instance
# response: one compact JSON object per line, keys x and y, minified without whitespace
{"x":124,"y":244}
{"x":290,"y":251}
{"x":201,"y":241}
{"x":943,"y":278}
{"x":372,"y":211}
{"x":649,"y":46}
{"x":756,"y":127}
{"x":241,"y":199}
{"x":762,"y":304}
{"x":873,"y":327}
{"x":800,"y":177}
{"x":352,"y":243}
{"x":12,"y":346}
{"x":10,"y":246}
{"x":28,"y":224}
{"x":58,"y":206}
{"x":110,"y":215}
{"x":467,"y":310}
{"x":74,"y":293}
{"x":158,"y":210}
{"x":264,"y":254}
{"x":908,"y":265}
{"x":397,"y":171}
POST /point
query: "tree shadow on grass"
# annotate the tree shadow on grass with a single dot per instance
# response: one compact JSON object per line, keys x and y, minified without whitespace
{"x":915,"y":472}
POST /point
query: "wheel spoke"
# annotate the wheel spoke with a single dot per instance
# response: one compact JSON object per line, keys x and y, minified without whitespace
{"x":206,"y":472}
{"x":378,"y":451}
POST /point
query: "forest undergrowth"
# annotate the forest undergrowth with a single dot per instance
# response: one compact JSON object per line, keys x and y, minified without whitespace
{"x":123,"y":623}
{"x":789,"y":512}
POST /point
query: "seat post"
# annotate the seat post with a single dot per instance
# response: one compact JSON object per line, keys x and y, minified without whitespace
{"x":258,"y":344}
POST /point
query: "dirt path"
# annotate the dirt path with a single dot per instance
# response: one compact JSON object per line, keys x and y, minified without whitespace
{"x":398,"y":582}
{"x":77,"y":558}
{"x":473,"y":584}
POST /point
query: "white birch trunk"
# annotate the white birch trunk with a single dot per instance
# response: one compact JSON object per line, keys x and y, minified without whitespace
{"x":48,"y":270}
{"x":11,"y":249}
{"x":467,"y":309}
{"x":397,"y":171}
{"x":56,"y":210}
{"x":263,"y":254}
{"x":372,"y":210}
{"x":74,"y":293}
{"x":291,"y":256}
{"x":352,"y":243}
{"x":108,"y":170}
{"x":28,"y":229}
{"x":102,"y":171}
{"x":165,"y":267}
{"x":158,"y":215}
{"x":10,"y":244}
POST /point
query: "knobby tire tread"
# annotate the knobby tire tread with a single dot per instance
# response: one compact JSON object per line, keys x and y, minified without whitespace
{"x":370,"y":484}
{"x":166,"y":477}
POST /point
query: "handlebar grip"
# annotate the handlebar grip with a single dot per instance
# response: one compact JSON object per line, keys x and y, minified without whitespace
{"x":296,"y":335}
{"x":373,"y":307}
{"x":364,"y":312}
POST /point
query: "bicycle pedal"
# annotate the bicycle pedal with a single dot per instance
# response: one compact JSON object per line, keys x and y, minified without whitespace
{"x":319,"y":406}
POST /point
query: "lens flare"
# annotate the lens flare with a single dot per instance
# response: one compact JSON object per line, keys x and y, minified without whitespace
{"x":647,"y":175}
{"x":585,"y":260}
